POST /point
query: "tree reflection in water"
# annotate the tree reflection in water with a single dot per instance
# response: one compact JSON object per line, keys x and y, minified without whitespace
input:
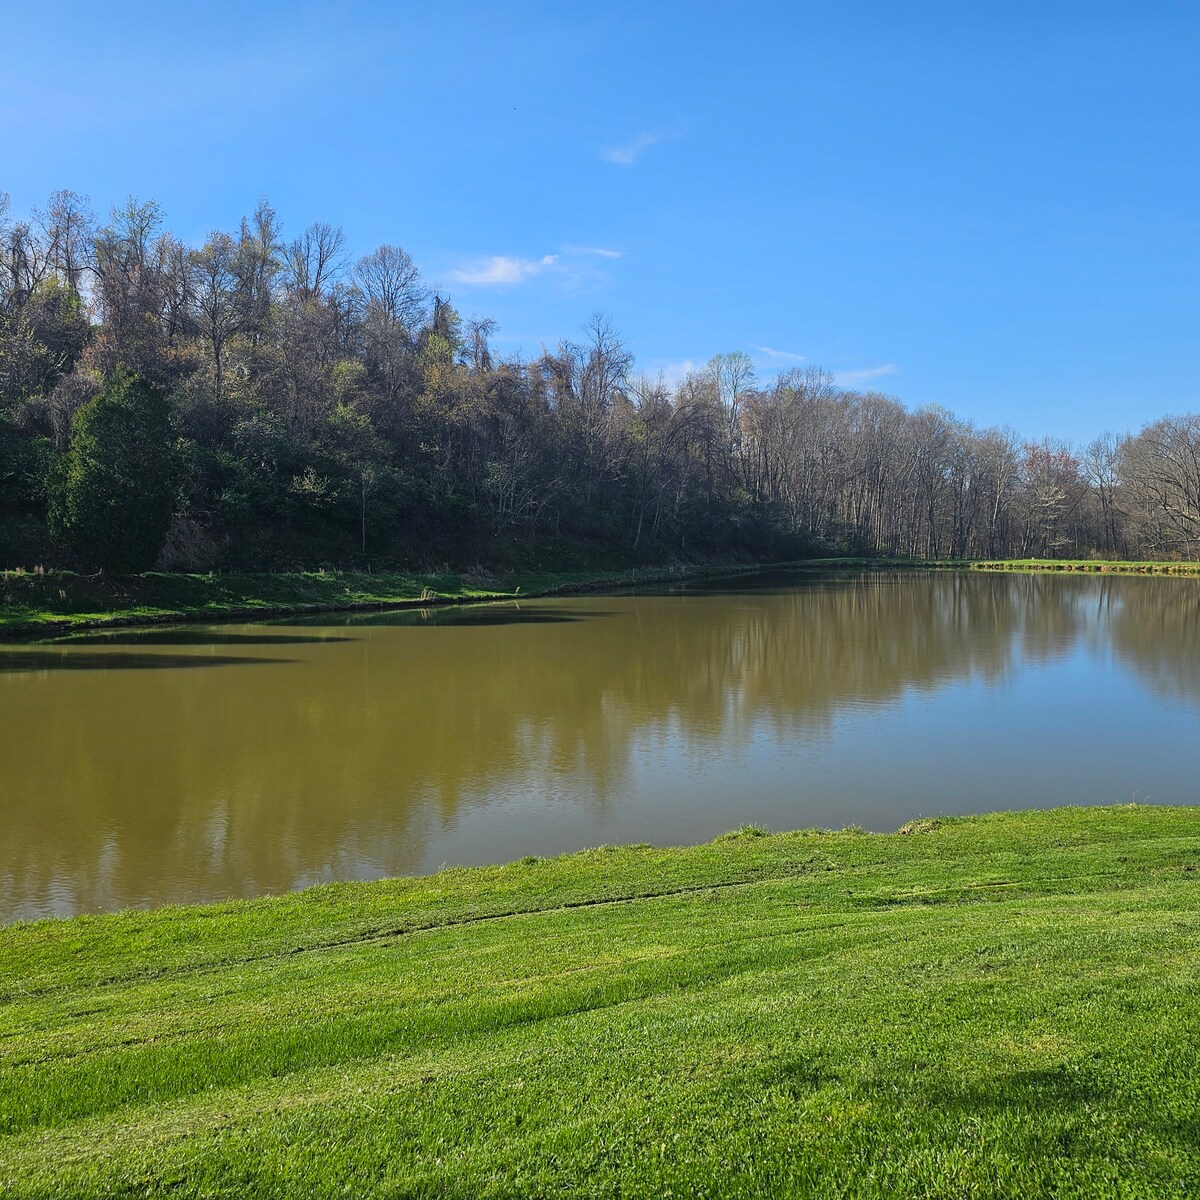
{"x":363,"y":746}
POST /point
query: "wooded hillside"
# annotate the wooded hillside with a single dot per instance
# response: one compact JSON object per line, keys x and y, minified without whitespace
{"x":265,"y":401}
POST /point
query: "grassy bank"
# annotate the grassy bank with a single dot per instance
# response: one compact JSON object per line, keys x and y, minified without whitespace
{"x":995,"y":1006}
{"x":1093,"y":565}
{"x":43,"y":602}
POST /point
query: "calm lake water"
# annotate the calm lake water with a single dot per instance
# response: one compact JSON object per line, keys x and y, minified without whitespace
{"x":196,"y":763}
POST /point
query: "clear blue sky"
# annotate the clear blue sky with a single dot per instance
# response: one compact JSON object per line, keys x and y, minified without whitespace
{"x":994,"y":207}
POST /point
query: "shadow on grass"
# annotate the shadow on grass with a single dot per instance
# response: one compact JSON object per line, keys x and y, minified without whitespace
{"x":1050,"y":1089}
{"x":796,"y":1077}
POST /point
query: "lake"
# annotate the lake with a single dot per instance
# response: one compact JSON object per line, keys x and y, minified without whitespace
{"x":196,"y":763}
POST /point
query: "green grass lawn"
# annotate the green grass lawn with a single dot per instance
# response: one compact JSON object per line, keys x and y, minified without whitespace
{"x":1096,"y":565}
{"x":995,"y":1006}
{"x":32,"y":603}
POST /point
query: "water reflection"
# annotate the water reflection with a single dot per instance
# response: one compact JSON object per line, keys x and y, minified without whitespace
{"x":477,"y":734}
{"x":25,"y":661}
{"x":1156,"y":632}
{"x":189,"y":636}
{"x":502,"y":613}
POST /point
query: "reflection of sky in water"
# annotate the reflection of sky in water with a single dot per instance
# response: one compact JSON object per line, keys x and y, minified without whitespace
{"x":381,"y":743}
{"x":1072,"y":733}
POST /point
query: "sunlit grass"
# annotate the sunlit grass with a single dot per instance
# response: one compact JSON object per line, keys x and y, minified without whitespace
{"x":38,"y":601}
{"x":30,"y":602}
{"x":1093,"y":566}
{"x":994,"y":1006}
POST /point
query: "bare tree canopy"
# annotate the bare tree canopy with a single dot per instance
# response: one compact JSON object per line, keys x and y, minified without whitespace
{"x":391,"y":286}
{"x":316,"y":259}
{"x":323,"y":411}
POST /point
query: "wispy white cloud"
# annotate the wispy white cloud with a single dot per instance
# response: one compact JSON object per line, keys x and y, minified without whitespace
{"x":598,"y":251}
{"x":628,"y":154}
{"x":504,"y":269}
{"x":675,"y":372}
{"x":778,"y":355}
{"x":859,"y":375}
{"x":570,"y":267}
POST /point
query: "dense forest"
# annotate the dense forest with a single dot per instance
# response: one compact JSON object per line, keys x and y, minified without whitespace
{"x":260,"y":401}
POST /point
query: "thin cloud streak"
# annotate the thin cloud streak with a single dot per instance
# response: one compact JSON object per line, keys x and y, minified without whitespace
{"x":627,"y":155}
{"x":779,"y":355}
{"x":504,"y":269}
{"x":570,"y":266}
{"x":598,"y":251}
{"x":864,"y":374}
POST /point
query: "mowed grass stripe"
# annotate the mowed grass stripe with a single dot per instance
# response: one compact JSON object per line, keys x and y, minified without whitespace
{"x":741,"y":966}
{"x":1000,"y":1005}
{"x":360,"y":1102}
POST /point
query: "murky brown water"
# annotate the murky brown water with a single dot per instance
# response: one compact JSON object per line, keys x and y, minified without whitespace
{"x":197,"y":763}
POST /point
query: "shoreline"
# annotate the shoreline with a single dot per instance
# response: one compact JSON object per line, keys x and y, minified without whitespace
{"x":1094,"y":566}
{"x":246,"y":596}
{"x":461,"y":872}
{"x":617,"y":1019}
{"x":28,"y":610}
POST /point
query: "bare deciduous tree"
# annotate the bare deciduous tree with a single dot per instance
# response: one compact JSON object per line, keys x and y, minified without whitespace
{"x":316,"y":259}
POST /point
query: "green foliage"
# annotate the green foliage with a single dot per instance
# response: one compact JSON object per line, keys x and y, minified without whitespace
{"x":24,"y":464}
{"x":114,"y":490}
{"x":357,"y":420}
{"x":61,"y":323}
{"x":40,"y":341}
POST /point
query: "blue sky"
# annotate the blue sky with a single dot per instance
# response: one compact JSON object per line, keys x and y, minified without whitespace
{"x":994,"y":207}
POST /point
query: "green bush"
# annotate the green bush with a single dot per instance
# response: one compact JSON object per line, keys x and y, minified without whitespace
{"x":113,"y":492}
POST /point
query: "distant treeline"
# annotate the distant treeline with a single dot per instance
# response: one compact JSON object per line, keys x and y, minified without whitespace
{"x":264,"y":401}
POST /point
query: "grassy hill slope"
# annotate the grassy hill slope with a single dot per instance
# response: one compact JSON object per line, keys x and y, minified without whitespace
{"x":995,"y":1006}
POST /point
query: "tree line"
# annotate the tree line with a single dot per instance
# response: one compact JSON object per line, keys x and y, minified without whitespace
{"x":264,"y":401}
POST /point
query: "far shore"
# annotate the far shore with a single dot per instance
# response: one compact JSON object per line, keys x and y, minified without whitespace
{"x":1098,"y":566}
{"x":42,"y":603}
